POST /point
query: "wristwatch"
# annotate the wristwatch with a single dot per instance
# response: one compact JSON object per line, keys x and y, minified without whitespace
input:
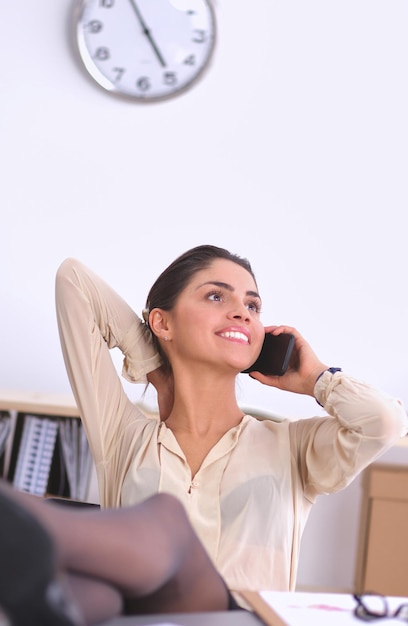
{"x":332,"y":370}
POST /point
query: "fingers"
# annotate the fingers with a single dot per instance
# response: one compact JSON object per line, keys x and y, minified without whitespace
{"x":271,"y":381}
{"x":278,"y":330}
{"x":300,"y":375}
{"x":275,"y":330}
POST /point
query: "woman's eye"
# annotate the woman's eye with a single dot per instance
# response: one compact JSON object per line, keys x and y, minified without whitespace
{"x":216,"y":296}
{"x":254,"y":306}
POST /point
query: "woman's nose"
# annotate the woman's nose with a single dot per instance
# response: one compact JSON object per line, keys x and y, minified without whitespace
{"x":240,"y":312}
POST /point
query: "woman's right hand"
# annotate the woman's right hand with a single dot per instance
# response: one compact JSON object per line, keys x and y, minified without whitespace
{"x":304,"y":366}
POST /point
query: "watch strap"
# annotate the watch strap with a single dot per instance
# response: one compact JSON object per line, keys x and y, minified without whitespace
{"x":332,"y":370}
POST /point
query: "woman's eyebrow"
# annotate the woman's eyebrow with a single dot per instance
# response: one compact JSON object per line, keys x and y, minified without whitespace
{"x":229,"y":287}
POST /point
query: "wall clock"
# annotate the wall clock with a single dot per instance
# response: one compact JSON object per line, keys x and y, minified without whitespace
{"x":145,"y":50}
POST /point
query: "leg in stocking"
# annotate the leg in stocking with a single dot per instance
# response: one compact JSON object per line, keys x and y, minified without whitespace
{"x":147,"y":552}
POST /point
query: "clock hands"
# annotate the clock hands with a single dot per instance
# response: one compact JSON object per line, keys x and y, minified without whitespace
{"x":146,"y":31}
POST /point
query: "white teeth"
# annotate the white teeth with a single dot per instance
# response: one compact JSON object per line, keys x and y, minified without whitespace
{"x":235,"y":335}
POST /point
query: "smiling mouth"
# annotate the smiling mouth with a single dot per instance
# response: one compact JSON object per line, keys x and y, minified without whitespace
{"x":234,"y":334}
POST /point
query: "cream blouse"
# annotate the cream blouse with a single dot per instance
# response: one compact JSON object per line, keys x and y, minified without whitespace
{"x":250,"y":499}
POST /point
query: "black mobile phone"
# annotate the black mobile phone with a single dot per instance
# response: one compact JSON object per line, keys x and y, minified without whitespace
{"x":275,"y":355}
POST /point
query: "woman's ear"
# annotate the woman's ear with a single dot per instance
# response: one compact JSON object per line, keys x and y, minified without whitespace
{"x":158,"y":322}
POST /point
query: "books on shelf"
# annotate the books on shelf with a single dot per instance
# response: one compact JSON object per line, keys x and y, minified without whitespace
{"x":5,"y":428}
{"x":35,"y":454}
{"x":45,"y":454}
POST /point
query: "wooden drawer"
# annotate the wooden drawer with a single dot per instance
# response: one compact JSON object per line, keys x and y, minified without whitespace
{"x":382,"y":561}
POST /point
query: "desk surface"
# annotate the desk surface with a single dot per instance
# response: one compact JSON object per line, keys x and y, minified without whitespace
{"x":224,"y":618}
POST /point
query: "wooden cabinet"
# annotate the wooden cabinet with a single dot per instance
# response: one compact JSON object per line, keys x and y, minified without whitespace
{"x":382,"y":562}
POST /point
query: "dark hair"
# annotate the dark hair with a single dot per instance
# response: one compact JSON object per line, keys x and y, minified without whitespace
{"x":173,"y":280}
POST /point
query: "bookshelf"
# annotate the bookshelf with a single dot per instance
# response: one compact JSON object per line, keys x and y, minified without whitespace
{"x":43,"y":446}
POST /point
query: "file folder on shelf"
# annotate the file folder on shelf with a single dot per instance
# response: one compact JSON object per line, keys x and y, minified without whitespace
{"x":5,"y":429}
{"x":35,"y":454}
{"x":42,"y":434}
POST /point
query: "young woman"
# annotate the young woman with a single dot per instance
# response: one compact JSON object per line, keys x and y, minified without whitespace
{"x":246,"y":485}
{"x":73,"y":567}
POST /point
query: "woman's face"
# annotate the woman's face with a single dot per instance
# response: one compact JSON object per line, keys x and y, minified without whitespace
{"x":216,"y":320}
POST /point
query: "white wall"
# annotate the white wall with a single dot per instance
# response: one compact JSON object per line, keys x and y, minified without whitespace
{"x":291,"y":151}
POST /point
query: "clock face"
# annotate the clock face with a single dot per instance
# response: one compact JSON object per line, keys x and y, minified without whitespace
{"x":145,"y":49}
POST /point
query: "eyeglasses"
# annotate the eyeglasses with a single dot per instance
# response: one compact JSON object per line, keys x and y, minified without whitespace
{"x":372,"y":606}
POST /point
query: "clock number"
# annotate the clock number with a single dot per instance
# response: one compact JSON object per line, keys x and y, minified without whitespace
{"x":200,"y":36}
{"x":102,"y":54}
{"x":119,"y":73}
{"x":169,"y":78}
{"x":190,"y":60}
{"x":94,"y":26}
{"x":107,"y":4}
{"x":143,"y":83}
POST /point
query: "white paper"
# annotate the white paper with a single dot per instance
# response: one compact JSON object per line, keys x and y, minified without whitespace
{"x":321,"y":609}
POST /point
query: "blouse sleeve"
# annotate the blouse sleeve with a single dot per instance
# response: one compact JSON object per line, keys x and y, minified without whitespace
{"x":362,"y":423}
{"x":140,"y":356}
{"x":93,"y":319}
{"x":79,"y":289}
